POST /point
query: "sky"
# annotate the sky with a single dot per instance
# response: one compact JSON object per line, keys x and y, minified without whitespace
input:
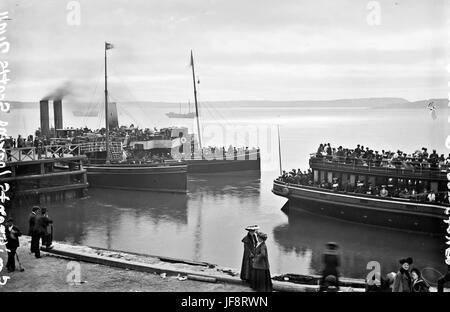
{"x":243,"y":50}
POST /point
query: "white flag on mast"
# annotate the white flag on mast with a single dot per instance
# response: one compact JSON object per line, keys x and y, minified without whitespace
{"x":108,"y":46}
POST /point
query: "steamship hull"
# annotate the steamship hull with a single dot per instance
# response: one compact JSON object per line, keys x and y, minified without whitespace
{"x":139,"y":177}
{"x":391,"y":213}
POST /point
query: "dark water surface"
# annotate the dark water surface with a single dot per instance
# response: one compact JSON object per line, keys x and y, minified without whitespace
{"x":208,"y":223}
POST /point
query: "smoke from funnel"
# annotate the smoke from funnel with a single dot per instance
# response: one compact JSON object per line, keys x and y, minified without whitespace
{"x":59,"y":93}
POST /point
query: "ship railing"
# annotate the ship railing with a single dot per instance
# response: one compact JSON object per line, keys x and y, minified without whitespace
{"x":100,"y":146}
{"x":59,"y":151}
{"x":217,"y":156}
{"x":384,"y":166}
{"x":45,"y":152}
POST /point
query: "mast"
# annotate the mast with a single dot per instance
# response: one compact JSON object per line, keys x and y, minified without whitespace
{"x":106,"y":107}
{"x":196,"y":105}
{"x":279,"y":149}
{"x":107,"y":47}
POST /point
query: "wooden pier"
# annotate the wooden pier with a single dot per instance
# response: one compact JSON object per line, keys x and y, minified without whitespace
{"x":51,"y":173}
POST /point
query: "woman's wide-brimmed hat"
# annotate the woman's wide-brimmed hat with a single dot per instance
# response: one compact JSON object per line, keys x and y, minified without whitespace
{"x":417,"y":272}
{"x":252,"y":228}
{"x":262,"y":235}
{"x":407,"y":260}
{"x":332,"y":245}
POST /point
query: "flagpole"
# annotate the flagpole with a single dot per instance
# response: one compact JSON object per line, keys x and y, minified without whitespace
{"x":279,"y":149}
{"x":106,"y":110}
{"x":196,"y":105}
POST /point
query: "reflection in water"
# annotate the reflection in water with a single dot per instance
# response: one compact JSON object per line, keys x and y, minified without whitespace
{"x":307,"y":233}
{"x":107,"y":214}
{"x":179,"y":225}
{"x":244,"y":185}
{"x":212,"y":200}
{"x":207,"y":224}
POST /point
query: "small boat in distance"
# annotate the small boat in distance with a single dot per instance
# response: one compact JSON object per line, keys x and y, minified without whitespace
{"x":189,"y":115}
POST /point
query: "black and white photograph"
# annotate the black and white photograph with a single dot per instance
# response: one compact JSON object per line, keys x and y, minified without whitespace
{"x":213,"y":147}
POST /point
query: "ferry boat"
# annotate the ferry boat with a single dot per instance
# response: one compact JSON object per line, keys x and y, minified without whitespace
{"x":394,"y":212}
{"x":110,"y":173}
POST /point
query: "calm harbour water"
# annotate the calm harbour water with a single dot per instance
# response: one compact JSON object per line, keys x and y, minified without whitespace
{"x":208,"y":223}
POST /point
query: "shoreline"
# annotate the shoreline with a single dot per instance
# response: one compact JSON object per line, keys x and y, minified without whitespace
{"x":126,"y":271}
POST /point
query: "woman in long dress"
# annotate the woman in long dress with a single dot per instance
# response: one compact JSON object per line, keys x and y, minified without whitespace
{"x":250,"y":241}
{"x":261,"y":279}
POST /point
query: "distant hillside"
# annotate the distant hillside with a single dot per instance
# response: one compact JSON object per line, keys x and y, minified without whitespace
{"x":438,"y":103}
{"x":374,"y":103}
{"x":363,"y":102}
{"x":23,"y":105}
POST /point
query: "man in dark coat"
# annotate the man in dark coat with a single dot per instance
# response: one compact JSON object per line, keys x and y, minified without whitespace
{"x":12,"y":233}
{"x":40,"y":229}
{"x":48,"y":237}
{"x":331,"y":261}
{"x":31,"y":224}
{"x":250,"y":241}
{"x":445,"y":279}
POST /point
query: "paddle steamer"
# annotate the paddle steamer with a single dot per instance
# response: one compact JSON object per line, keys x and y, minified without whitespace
{"x":414,"y":213}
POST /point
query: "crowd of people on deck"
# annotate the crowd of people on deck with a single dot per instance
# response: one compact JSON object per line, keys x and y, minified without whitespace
{"x":416,"y":190}
{"x":125,"y":135}
{"x":366,"y":156}
{"x":213,"y":152}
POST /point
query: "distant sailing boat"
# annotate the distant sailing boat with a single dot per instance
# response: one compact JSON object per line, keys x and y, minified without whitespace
{"x":182,"y":115}
{"x":231,"y":164}
{"x":177,"y":138}
{"x":432,"y":108}
{"x":143,"y":176}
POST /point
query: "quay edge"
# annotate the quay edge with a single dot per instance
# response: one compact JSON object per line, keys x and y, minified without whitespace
{"x":149,"y":264}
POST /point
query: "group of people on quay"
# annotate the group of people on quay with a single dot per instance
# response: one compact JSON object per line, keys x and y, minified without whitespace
{"x":255,"y":269}
{"x":40,"y":229}
{"x":406,"y":279}
{"x":365,"y":156}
